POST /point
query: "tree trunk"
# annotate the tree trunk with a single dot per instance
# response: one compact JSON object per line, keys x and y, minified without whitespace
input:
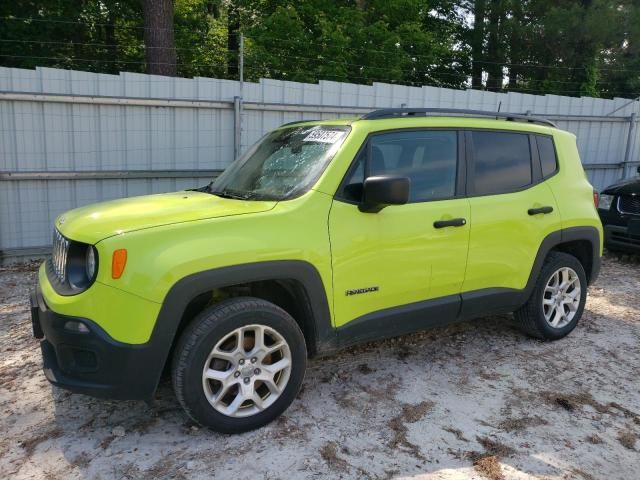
{"x":213,"y":9}
{"x":477,"y":44}
{"x":112,"y":43}
{"x":516,"y":45}
{"x":494,"y":67}
{"x":233,"y":39}
{"x":159,"y":39}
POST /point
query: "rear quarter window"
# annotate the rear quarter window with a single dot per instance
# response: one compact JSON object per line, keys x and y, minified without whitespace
{"x":547,"y":153}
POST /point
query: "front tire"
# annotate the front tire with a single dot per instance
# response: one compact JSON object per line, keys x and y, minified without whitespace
{"x":239,"y":365}
{"x":558,"y":298}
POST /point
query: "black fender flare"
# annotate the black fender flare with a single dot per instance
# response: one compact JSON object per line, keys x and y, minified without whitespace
{"x":557,"y":238}
{"x":498,"y":300}
{"x":188,"y":288}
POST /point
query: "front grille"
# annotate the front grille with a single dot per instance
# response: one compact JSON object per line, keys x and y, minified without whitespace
{"x":59,"y":255}
{"x":629,"y":204}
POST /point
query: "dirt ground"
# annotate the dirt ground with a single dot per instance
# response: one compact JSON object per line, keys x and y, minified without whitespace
{"x":477,"y":400}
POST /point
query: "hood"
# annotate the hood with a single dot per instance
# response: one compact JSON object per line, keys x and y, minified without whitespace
{"x":96,"y":222}
{"x":626,"y":187}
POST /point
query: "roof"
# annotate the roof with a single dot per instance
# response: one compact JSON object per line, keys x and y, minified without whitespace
{"x":440,"y":117}
{"x":416,"y":112}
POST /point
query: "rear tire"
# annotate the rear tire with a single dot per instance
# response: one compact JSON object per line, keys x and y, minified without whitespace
{"x":558,"y":298}
{"x":239,"y":365}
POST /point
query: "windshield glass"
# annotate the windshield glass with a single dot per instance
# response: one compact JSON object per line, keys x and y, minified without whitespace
{"x":283,"y":164}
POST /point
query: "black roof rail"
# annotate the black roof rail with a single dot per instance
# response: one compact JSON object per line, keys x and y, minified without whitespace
{"x":415,"y":112}
{"x":300,"y":121}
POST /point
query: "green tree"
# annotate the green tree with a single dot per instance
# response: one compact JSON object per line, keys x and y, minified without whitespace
{"x":550,"y":46}
{"x":571,"y":35}
{"x":620,"y":64}
{"x":568,"y":47}
{"x":402,"y":41}
{"x":201,"y":32}
{"x":83,"y":35}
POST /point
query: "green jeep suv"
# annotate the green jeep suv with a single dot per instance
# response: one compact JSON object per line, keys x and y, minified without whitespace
{"x":322,"y":235}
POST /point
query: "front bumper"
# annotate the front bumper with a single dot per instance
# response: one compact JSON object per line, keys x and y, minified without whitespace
{"x":92,"y":362}
{"x":618,"y":237}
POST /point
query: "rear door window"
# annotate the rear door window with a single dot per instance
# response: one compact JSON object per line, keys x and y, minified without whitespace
{"x":501,"y":162}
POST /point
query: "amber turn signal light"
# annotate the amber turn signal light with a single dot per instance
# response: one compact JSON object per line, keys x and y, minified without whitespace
{"x":118,"y":262}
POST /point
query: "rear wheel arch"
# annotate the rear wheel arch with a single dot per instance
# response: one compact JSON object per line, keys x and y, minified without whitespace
{"x":582,"y":250}
{"x":580,"y":242}
{"x":555,"y":306}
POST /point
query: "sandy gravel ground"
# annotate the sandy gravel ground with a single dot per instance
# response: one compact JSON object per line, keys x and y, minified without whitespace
{"x":477,"y":400}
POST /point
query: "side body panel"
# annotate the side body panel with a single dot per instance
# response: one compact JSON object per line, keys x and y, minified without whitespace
{"x":505,"y":239}
{"x":398,"y":253}
{"x":159,"y":258}
{"x":298,"y":230}
{"x":573,"y":192}
{"x":420,"y":271}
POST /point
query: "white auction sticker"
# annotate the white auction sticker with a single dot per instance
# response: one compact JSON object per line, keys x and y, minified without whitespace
{"x":324,"y":136}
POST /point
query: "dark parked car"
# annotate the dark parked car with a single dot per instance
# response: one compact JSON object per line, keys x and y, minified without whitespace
{"x":619,"y":209}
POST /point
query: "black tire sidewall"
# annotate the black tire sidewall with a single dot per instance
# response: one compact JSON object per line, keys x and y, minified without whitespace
{"x":558,"y":261}
{"x":192,"y":360}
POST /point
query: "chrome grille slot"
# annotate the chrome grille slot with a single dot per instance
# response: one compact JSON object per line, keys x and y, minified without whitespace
{"x":629,"y":204}
{"x":59,"y":255}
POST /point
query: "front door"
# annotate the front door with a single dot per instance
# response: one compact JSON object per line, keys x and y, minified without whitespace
{"x":405,"y":253}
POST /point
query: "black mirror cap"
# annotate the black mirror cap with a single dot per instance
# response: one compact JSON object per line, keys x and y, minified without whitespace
{"x":382,"y":191}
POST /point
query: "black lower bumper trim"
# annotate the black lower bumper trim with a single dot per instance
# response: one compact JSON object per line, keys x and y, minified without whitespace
{"x":35,"y":317}
{"x":92,"y":362}
{"x":618,"y":238}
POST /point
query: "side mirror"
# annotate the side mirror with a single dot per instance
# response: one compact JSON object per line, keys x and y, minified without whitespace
{"x":382,"y":191}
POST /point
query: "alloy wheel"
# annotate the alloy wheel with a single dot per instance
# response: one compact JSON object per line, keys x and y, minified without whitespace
{"x":247,"y":371}
{"x":561,"y":297}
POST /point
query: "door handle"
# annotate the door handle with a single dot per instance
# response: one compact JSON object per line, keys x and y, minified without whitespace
{"x":536,"y":211}
{"x":454,"y":222}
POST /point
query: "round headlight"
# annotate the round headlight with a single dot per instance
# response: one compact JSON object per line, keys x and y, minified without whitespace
{"x":90,"y":263}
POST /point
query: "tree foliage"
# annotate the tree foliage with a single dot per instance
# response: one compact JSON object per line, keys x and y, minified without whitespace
{"x":567,"y":47}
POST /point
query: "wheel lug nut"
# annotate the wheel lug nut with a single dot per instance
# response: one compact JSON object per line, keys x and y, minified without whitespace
{"x":241,"y":362}
{"x":237,"y":374}
{"x":257,"y":371}
{"x":246,"y":379}
{"x":254,"y":360}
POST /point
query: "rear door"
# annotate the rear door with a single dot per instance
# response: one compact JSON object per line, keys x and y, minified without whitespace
{"x":512,"y":208}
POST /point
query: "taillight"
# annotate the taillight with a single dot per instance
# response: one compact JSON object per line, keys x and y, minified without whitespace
{"x":596,"y":198}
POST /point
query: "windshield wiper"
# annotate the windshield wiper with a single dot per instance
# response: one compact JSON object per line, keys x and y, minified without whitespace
{"x":225,"y":193}
{"x":205,"y":189}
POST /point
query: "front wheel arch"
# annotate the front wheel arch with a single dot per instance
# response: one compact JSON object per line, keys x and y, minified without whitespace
{"x":192,"y":293}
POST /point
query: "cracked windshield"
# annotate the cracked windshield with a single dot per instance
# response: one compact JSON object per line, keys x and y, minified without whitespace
{"x":284,"y":164}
